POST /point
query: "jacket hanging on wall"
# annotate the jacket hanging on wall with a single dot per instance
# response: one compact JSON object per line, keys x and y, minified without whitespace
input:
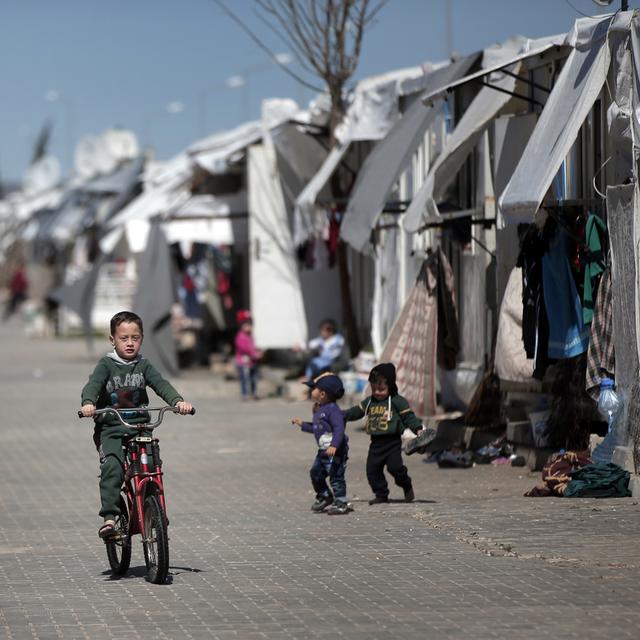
{"x":568,"y":335}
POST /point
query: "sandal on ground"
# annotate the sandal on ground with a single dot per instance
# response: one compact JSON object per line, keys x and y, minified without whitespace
{"x":108,"y":529}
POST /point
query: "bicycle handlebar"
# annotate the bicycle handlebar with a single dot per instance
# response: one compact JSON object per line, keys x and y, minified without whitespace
{"x":145,"y":425}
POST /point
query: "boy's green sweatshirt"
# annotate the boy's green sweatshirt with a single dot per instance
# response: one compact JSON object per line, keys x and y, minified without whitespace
{"x":385,"y":417}
{"x":121,"y":384}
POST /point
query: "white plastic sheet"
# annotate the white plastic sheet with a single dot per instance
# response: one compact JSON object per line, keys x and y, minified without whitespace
{"x":391,"y":156}
{"x":484,"y":108}
{"x":573,"y":95}
{"x":480,"y":113}
{"x":216,"y":152}
{"x":276,"y":296}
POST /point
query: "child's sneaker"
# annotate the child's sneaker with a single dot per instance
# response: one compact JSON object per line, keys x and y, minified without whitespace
{"x":338,"y":508}
{"x":421,"y":443}
{"x":379,"y":500}
{"x":321,"y":503}
{"x":409,"y":496}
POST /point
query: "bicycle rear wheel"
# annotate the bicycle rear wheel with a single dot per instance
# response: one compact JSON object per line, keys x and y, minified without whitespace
{"x":155,"y":541}
{"x":119,"y":545}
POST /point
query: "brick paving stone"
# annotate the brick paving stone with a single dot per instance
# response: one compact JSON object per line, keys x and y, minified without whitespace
{"x":470,"y":558}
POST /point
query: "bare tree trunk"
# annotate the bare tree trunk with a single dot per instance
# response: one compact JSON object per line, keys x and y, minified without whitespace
{"x":340,"y":192}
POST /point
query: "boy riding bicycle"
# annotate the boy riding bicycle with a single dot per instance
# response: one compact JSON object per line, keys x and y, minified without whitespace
{"x":119,"y":380}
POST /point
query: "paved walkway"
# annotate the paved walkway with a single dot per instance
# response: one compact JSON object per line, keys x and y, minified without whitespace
{"x":470,"y":558}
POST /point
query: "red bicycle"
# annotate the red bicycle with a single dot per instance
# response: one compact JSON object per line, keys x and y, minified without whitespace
{"x":142,"y":502}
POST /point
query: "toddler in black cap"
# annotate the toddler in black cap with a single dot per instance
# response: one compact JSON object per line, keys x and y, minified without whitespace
{"x":333,"y":445}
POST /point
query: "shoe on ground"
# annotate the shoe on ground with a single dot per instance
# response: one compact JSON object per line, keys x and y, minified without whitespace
{"x":379,"y":500}
{"x":321,"y":503}
{"x":409,"y":496}
{"x":339,"y":508}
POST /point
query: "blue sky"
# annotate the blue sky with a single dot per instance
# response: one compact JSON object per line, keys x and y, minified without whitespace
{"x":120,"y":63}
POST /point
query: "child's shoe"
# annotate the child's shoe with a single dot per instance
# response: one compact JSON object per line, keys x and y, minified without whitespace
{"x":409,"y":496}
{"x":379,"y":500}
{"x":321,"y":503}
{"x":339,"y":508}
{"x":108,"y":529}
{"x":420,"y":444}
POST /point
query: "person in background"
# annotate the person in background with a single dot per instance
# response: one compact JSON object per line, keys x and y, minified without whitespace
{"x":247,"y":356}
{"x":18,"y":285}
{"x":327,"y":348}
{"x":387,"y":415}
{"x":333,"y":445}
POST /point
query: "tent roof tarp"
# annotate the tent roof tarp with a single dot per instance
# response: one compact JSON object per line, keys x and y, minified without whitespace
{"x":576,"y":89}
{"x":391,"y":156}
{"x":484,"y":108}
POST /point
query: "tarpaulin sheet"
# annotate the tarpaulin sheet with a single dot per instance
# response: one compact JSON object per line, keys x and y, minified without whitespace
{"x":153,"y":300}
{"x":573,"y":95}
{"x":214,"y":153}
{"x":485,"y":107}
{"x":276,"y":296}
{"x":79,"y":296}
{"x":390,"y":157}
{"x":412,"y":343}
{"x":481,"y":112}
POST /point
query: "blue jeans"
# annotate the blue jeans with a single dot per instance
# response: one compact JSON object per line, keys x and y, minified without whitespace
{"x":248,"y":377}
{"x":316,"y":366}
{"x":335,"y":468}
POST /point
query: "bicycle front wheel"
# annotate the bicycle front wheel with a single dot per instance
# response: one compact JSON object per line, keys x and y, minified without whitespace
{"x":119,"y":545}
{"x":155,"y":541}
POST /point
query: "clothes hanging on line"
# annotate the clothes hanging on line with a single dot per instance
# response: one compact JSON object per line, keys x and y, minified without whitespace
{"x":535,"y":327}
{"x":568,"y":335}
{"x":593,"y":262}
{"x":448,"y":332}
{"x":601,"y":353}
{"x":562,"y":262}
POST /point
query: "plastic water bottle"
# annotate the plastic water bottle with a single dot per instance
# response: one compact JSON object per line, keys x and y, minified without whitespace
{"x":609,"y":403}
{"x":609,"y":406}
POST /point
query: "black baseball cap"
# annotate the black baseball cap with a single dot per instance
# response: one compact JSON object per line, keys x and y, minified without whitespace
{"x":328,"y":382}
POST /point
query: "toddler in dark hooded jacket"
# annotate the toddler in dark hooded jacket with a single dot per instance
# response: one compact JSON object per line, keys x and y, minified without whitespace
{"x":387,"y":415}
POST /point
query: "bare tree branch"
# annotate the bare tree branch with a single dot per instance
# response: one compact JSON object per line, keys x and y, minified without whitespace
{"x":299,"y":52}
{"x":262,"y":46}
{"x":325,"y":36}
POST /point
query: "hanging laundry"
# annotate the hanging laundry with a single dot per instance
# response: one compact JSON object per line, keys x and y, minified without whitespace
{"x":511,"y":361}
{"x":333,"y":238}
{"x":593,"y":259}
{"x":568,"y":336}
{"x":448,"y":334}
{"x":601,"y":354}
{"x":535,"y":326}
